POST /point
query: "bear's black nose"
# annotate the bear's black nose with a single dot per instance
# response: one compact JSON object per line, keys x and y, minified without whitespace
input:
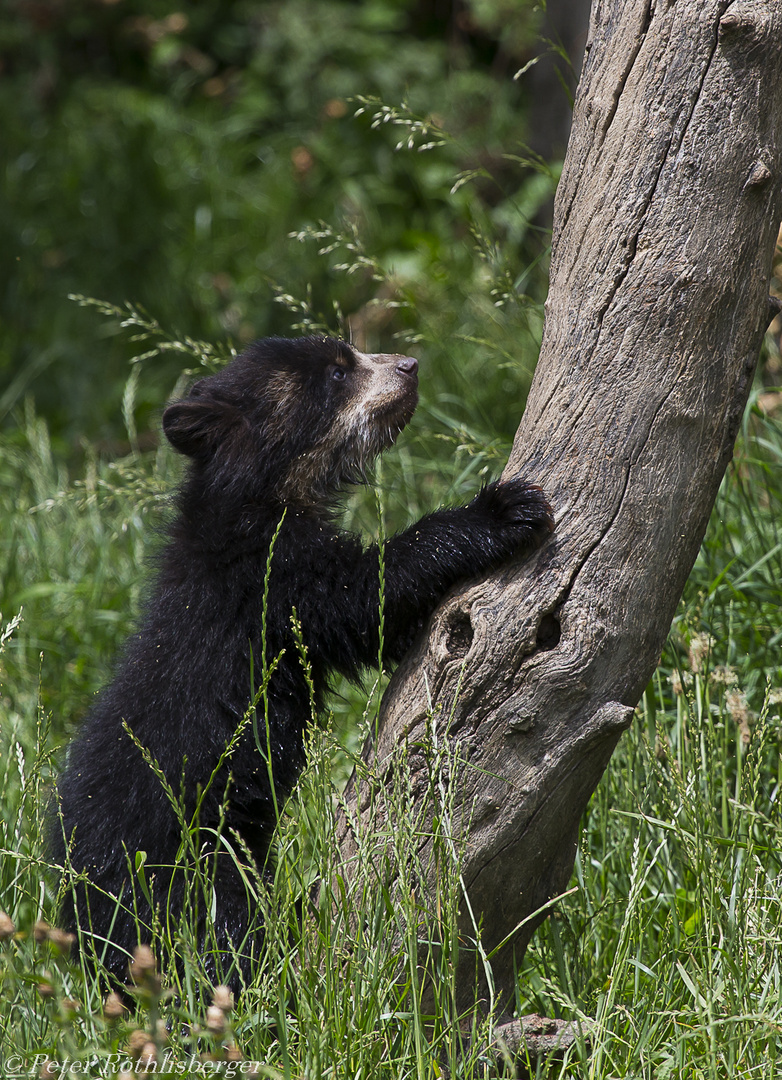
{"x":408,"y":365}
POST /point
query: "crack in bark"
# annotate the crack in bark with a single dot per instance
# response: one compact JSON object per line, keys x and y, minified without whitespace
{"x":674,"y":145}
{"x":622,"y":80}
{"x":602,"y":128}
{"x":631,"y":463}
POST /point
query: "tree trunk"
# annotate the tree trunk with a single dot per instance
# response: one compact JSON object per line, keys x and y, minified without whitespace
{"x":665,"y":221}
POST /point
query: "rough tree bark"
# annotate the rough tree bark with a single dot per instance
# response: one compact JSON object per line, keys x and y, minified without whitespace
{"x":665,"y":222}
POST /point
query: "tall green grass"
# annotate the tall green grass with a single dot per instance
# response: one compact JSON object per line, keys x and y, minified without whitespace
{"x":669,"y":946}
{"x":672,"y":942}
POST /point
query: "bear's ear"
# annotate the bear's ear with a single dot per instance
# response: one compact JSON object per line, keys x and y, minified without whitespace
{"x":195,"y":427}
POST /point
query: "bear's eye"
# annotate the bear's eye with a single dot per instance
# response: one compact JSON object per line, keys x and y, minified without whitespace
{"x":338,"y":374}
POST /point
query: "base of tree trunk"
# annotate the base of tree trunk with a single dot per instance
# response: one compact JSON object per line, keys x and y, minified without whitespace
{"x":527,"y":1040}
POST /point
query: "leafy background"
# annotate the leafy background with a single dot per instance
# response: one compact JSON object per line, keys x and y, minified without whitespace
{"x":165,"y":157}
{"x":215,"y":171}
{"x":231,"y":170}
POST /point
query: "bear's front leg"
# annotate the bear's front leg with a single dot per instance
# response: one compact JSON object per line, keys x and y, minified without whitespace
{"x":336,"y":586}
{"x":425,"y":561}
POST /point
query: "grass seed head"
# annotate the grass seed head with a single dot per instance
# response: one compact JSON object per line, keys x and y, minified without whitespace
{"x":113,"y":1006}
{"x":143,"y":969}
{"x":215,"y":1020}
{"x":137,"y":1043}
{"x":41,"y":932}
{"x":223,"y":998}
{"x":62,"y":940}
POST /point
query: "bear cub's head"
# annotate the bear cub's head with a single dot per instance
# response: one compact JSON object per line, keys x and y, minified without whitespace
{"x":300,"y":416}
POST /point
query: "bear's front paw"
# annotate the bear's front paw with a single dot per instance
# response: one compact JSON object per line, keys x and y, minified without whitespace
{"x":519,"y":508}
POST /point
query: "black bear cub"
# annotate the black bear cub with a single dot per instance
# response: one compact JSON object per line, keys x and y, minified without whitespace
{"x":270,"y":440}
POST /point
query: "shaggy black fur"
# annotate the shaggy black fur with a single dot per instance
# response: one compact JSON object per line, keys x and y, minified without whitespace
{"x":279,"y":429}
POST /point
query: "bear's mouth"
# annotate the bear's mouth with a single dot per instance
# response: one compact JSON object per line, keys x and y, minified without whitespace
{"x":349,"y":451}
{"x":397,"y":413}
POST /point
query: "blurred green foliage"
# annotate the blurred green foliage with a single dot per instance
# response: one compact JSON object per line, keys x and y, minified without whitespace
{"x":164,"y":153}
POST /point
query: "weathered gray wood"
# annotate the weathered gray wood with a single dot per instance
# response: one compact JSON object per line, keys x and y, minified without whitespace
{"x":665,"y":222}
{"x":537,"y":1037}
